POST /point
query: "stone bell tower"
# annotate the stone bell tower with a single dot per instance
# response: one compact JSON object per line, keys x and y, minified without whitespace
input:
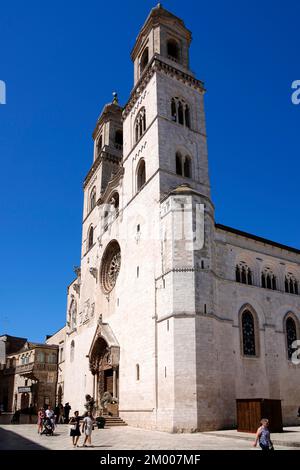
{"x":164,"y":125}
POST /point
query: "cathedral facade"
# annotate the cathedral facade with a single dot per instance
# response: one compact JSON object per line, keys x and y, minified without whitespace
{"x":176,"y":316}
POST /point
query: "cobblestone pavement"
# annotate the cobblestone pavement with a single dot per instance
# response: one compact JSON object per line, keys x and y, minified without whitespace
{"x":25,"y":436}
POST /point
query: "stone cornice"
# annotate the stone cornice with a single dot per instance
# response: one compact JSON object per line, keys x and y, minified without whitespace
{"x":103,"y":156}
{"x":158,"y":65}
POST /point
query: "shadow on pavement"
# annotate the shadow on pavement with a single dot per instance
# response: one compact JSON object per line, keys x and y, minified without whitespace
{"x":12,"y":441}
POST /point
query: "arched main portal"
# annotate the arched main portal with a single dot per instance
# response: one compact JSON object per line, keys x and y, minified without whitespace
{"x":104,"y":364}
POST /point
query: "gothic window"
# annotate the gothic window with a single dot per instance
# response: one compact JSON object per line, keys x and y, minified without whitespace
{"x":141,"y":174}
{"x":243,"y":273}
{"x":93,"y":198}
{"x":173,"y":50}
{"x":187,"y":116}
{"x":140,"y":124}
{"x":248,"y":334}
{"x":183,"y":165}
{"x":99,"y":144}
{"x":187,"y":167}
{"x":268,"y":279}
{"x":110,"y":266}
{"x":119,"y":139}
{"x":180,"y":112}
{"x":72,"y":350}
{"x":173,"y":110}
{"x":178,"y":164}
{"x":91,"y":237}
{"x":291,"y":284}
{"x":144,"y":60}
{"x":291,"y":335}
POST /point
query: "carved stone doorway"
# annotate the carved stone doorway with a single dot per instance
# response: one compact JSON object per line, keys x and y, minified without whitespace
{"x":104,"y":367}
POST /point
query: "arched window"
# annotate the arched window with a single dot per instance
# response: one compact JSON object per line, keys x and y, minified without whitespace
{"x":99,"y":144}
{"x":291,"y":284}
{"x":93,"y":198}
{"x":187,"y":167}
{"x":72,"y":351}
{"x":180,"y":112}
{"x":183,"y":165}
{"x":243,"y":273}
{"x":173,"y":50}
{"x":268,"y":279}
{"x":291,"y":335}
{"x":119,"y":139}
{"x":91,"y":238}
{"x":173,"y":110}
{"x":144,"y":60}
{"x":140,"y":124}
{"x":137,"y":368}
{"x":178,"y":163}
{"x":248,"y":334}
{"x":187,"y":116}
{"x":141,"y":174}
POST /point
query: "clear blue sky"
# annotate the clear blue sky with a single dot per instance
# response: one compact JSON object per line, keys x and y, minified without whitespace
{"x":62,"y":60}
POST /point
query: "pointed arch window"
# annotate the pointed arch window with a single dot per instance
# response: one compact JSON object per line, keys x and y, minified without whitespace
{"x":291,"y":284}
{"x":119,"y":139}
{"x":268,"y":279}
{"x":178,"y":163}
{"x":183,"y":165}
{"x":93,"y":198}
{"x":248,"y":334}
{"x":173,"y":50}
{"x":140,"y":124}
{"x":180,"y":112}
{"x":99,"y":144}
{"x":144,"y":60}
{"x":91,"y":238}
{"x":291,"y":335}
{"x":141,"y":174}
{"x":243,"y":273}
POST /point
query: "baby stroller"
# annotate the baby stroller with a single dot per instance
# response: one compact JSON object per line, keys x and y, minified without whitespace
{"x":48,"y":427}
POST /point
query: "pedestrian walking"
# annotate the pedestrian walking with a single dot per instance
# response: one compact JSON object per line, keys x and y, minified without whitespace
{"x":263,"y":436}
{"x":75,"y":428}
{"x":87,"y":429}
{"x":41,"y":417}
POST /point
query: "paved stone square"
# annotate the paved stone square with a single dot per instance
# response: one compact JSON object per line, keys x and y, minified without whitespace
{"x":25,"y":437}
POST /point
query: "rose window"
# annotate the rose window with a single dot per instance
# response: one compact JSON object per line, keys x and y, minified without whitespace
{"x":110,"y":268}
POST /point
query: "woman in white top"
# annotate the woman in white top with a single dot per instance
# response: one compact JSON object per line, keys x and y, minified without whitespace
{"x":87,"y":428}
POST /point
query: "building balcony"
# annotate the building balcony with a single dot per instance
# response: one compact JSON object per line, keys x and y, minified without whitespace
{"x":35,"y":367}
{"x":25,"y":368}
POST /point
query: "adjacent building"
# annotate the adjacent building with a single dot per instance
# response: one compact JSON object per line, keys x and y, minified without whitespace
{"x":29,"y":376}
